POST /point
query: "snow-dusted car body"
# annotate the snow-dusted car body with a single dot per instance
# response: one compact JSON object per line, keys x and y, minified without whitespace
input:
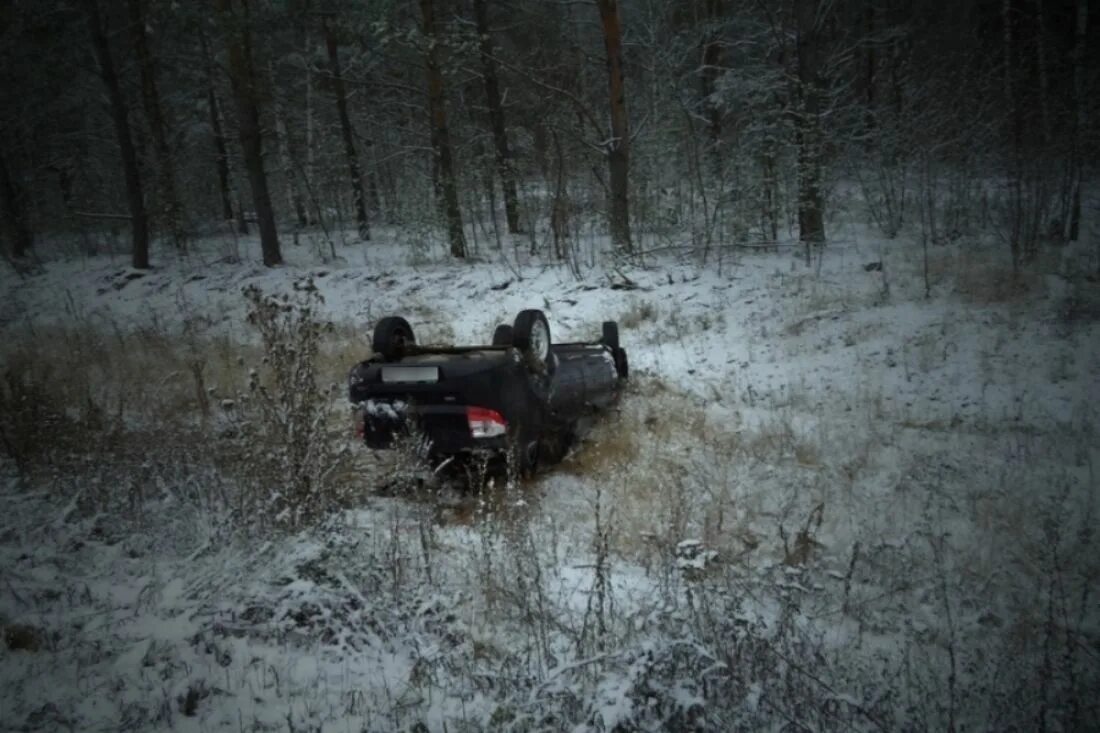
{"x":519,"y":397}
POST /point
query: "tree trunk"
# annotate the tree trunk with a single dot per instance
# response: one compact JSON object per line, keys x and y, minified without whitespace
{"x":348,"y":133}
{"x":869,"y":67}
{"x":221,"y":158}
{"x":139,"y":225}
{"x":221,"y":154}
{"x":770,"y":186}
{"x":374,"y":196}
{"x":308,"y":173}
{"x":1080,"y":122}
{"x":811,"y":224}
{"x":496,"y":117}
{"x":243,"y":76}
{"x":446,"y":186}
{"x":1012,"y":103}
{"x":286,"y":156}
{"x":154,"y":116}
{"x":712,"y":60}
{"x":1044,"y":75}
{"x":618,"y":147}
{"x":14,"y":207}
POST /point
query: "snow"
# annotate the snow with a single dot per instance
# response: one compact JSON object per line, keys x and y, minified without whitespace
{"x":821,"y":492}
{"x":391,"y":410}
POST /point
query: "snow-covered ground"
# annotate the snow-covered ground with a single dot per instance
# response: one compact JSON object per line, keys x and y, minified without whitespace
{"x":826,"y":502}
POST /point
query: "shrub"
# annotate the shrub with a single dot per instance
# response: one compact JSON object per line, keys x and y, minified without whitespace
{"x":289,"y":448}
{"x":26,"y":415}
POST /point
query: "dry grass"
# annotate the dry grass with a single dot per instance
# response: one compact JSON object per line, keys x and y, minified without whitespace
{"x":943,"y":262}
{"x":140,"y":398}
{"x":138,"y":376}
{"x":602,"y":453}
{"x":985,"y":277}
{"x":341,"y":349}
{"x":651,"y":415}
{"x":673,"y":475}
{"x":640,"y":312}
{"x":642,"y":458}
{"x":778,"y":441}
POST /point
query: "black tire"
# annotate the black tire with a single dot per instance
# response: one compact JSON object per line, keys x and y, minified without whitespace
{"x":525,"y":458}
{"x":529,"y":463}
{"x":610,"y":335}
{"x":622,"y":365}
{"x":531,"y":335}
{"x":555,"y":444}
{"x":391,"y":335}
{"x":502,"y":336}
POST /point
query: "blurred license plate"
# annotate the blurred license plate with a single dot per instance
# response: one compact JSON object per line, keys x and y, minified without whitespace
{"x":392,"y":374}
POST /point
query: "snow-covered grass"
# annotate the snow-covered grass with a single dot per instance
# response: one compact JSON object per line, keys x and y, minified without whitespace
{"x":825,"y":502}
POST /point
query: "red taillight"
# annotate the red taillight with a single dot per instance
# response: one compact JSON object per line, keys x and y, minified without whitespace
{"x":485,"y":423}
{"x":360,"y":423}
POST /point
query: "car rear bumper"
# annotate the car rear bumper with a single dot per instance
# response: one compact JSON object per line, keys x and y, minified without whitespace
{"x":441,"y":429}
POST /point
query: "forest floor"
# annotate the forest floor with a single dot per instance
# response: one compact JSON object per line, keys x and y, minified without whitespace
{"x":829,"y":500}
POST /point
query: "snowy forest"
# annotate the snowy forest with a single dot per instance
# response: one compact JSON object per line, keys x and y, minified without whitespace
{"x":853,"y":252}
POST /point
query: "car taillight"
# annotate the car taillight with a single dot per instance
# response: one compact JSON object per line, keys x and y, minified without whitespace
{"x":485,"y":423}
{"x":359,"y":421}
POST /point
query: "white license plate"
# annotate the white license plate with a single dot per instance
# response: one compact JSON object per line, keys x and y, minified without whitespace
{"x":405,"y":374}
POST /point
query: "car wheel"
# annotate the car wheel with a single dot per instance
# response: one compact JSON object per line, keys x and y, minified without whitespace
{"x":610,"y":335}
{"x":391,"y":335}
{"x":526,"y":460}
{"x":622,"y":365}
{"x":531,"y":335}
{"x":502,"y":336}
{"x":555,"y":444}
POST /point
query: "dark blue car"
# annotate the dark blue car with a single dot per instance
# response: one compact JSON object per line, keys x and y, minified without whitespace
{"x":520,"y":397}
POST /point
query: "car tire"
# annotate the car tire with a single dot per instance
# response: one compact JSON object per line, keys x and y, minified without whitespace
{"x":526,"y":460}
{"x":502,"y":336}
{"x":531,"y":335}
{"x":392,"y":335}
{"x":531,"y":459}
{"x":555,"y":444}
{"x":622,"y":365}
{"x":610,"y":335}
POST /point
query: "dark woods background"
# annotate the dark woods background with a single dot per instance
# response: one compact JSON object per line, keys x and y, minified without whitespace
{"x":144,"y":124}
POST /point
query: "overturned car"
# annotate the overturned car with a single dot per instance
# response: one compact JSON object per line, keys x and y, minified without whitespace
{"x":520,"y":398}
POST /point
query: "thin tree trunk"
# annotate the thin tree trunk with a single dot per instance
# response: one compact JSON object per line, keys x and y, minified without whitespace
{"x":154,"y":116}
{"x":374,"y":196}
{"x":496,"y":117}
{"x":712,"y":60}
{"x":65,"y":185}
{"x":221,"y":154}
{"x":770,"y":219}
{"x":15,"y":211}
{"x":347,"y":131}
{"x":559,"y":211}
{"x":540,"y":146}
{"x":243,"y":76}
{"x":139,"y":225}
{"x":221,"y":158}
{"x":1080,"y":119}
{"x":286,"y":157}
{"x":869,"y":67}
{"x":1044,"y":76}
{"x":618,"y":147}
{"x":446,"y":186}
{"x":897,"y":91}
{"x":307,"y":175}
{"x":1012,"y":103}
{"x":1006,"y":45}
{"x":811,"y":224}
